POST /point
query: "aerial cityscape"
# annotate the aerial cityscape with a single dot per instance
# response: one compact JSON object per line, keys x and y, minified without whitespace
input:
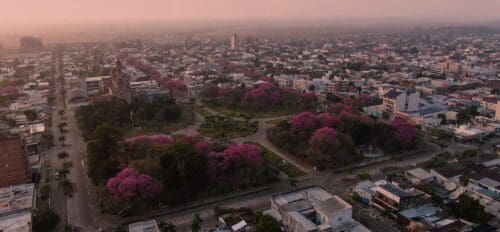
{"x":259,"y":116}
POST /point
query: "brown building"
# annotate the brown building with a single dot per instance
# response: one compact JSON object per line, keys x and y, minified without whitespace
{"x":120,"y":83}
{"x":13,"y":163}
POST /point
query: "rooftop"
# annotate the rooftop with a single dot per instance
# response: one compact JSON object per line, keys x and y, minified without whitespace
{"x":146,"y":226}
{"x":16,"y":198}
{"x":396,"y":190}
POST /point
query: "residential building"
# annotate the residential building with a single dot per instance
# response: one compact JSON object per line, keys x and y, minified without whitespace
{"x":313,"y":209}
{"x":365,"y":190}
{"x":401,"y":101}
{"x":392,"y":198}
{"x":13,"y":162}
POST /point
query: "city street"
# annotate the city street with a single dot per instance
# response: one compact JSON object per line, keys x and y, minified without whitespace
{"x":75,"y":210}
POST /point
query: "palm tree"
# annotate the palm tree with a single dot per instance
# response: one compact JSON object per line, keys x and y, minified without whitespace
{"x":167,"y":227}
{"x":293,"y":182}
{"x":196,"y":224}
{"x":62,"y":155}
{"x":64,"y":173}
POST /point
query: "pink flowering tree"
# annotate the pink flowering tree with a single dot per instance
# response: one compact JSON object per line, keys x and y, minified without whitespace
{"x":9,"y":90}
{"x":264,"y":95}
{"x":341,"y":107}
{"x":203,"y":147}
{"x":405,"y":131}
{"x":236,"y":155}
{"x":303,"y":124}
{"x":128,"y":184}
{"x":324,"y":139}
{"x":328,"y":120}
{"x":177,"y":86}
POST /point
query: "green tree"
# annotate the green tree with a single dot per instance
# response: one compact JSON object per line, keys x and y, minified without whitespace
{"x":102,"y":150}
{"x":63,"y":155}
{"x":363,"y":176}
{"x":62,"y":139}
{"x":266,"y":223}
{"x":293,"y":182}
{"x":196,"y":223}
{"x":167,"y":227}
{"x":45,"y":191}
{"x":47,"y":139}
{"x":45,"y":220}
{"x":470,"y":209}
{"x":464,"y":180}
{"x":63,"y":172}
{"x":120,"y":229}
{"x":67,"y":187}
{"x":30,"y":115}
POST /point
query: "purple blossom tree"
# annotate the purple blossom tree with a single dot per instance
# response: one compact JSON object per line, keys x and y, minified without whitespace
{"x":328,"y":120}
{"x":264,"y":95}
{"x":406,"y":132}
{"x":128,"y":184}
{"x":303,"y":124}
{"x":177,"y":86}
{"x":234,"y":155}
{"x":324,"y":139}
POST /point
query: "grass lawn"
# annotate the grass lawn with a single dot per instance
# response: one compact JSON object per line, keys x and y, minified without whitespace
{"x":289,"y":169}
{"x":275,"y":121}
{"x":147,"y":128}
{"x":200,"y":110}
{"x":219,"y":127}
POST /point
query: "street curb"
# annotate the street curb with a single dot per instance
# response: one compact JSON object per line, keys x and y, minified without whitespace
{"x":172,"y":211}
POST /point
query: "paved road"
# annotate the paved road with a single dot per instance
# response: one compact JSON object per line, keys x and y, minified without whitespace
{"x":79,"y":206}
{"x":191,"y":129}
{"x":57,"y":200}
{"x":77,"y":209}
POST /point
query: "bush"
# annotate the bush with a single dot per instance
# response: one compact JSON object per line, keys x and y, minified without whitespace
{"x":45,"y":220}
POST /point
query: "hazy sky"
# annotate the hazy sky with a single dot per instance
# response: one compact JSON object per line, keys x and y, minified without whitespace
{"x":23,"y":12}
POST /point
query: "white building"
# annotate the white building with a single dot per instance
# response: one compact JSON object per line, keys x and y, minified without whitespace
{"x":313,"y":209}
{"x":16,"y":203}
{"x":284,"y":80}
{"x":401,"y":101}
{"x":147,"y":226}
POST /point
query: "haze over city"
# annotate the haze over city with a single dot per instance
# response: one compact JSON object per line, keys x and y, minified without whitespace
{"x":255,"y":116}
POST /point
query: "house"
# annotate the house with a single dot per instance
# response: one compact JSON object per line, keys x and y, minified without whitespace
{"x":365,"y":190}
{"x":418,"y":175}
{"x":467,"y":133}
{"x":392,"y":198}
{"x":313,"y":209}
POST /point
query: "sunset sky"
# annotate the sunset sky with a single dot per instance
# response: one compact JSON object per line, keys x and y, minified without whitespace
{"x":17,"y":12}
